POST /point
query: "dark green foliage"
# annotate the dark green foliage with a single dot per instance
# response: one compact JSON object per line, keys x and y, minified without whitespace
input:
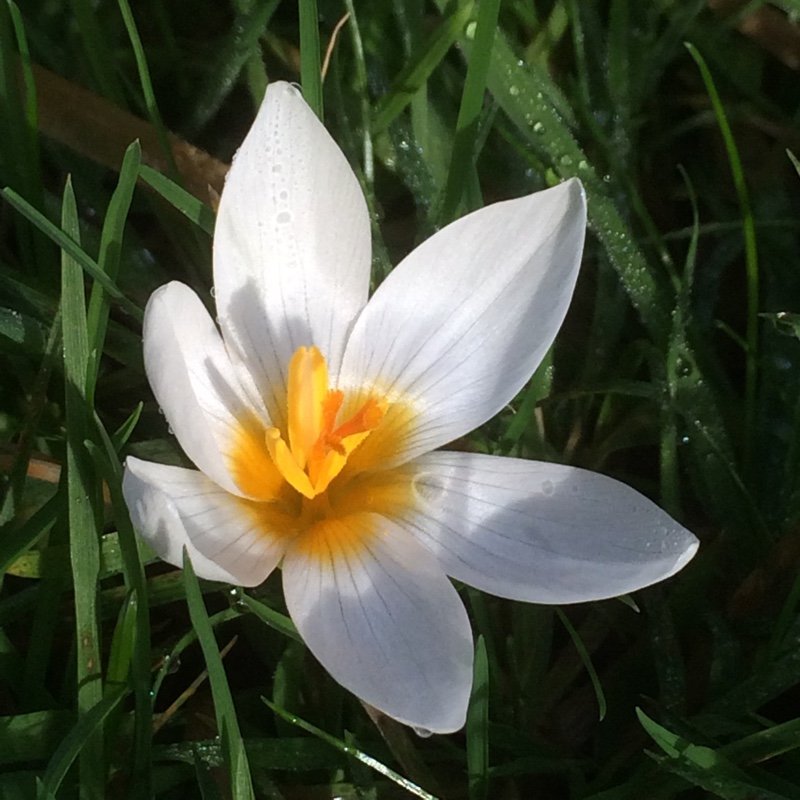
{"x":677,"y":371}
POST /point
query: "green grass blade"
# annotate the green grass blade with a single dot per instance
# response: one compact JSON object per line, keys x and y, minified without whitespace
{"x":353,"y":752}
{"x":133,"y":571}
{"x":310,"y":57}
{"x":420,"y":66}
{"x":186,"y":203}
{"x":280,"y":622}
{"x":529,"y":99}
{"x":13,"y":543}
{"x":462,"y":160}
{"x":109,"y":259}
{"x":146,"y":83}
{"x":84,"y":544}
{"x":227,"y":722}
{"x":19,"y":131}
{"x":751,"y":254}
{"x":96,"y":46}
{"x":237,"y":49}
{"x":70,"y":247}
{"x":477,"y":727}
{"x":587,"y":663}
{"x":89,"y":726}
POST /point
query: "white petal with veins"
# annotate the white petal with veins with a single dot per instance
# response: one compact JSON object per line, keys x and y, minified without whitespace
{"x":387,"y":624}
{"x":193,"y":379}
{"x":292,"y":245}
{"x":173,"y":508}
{"x":461,"y":323}
{"x":540,"y":532}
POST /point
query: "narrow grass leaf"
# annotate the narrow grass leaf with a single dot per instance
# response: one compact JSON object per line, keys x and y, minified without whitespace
{"x":109,"y":259}
{"x":280,"y":622}
{"x":120,"y":436}
{"x":227,"y":722}
{"x":32,"y":737}
{"x":81,"y":490}
{"x":14,"y":542}
{"x":353,"y":752}
{"x":133,"y":571}
{"x":239,"y":46}
{"x":751,"y":252}
{"x":74,"y":744}
{"x":422,"y":63}
{"x":462,"y":160}
{"x":704,"y":766}
{"x":477,"y":726}
{"x":186,"y":203}
{"x":71,"y":248}
{"x":310,"y":56}
{"x":587,"y":662}
{"x":97,"y":47}
{"x":146,"y":83}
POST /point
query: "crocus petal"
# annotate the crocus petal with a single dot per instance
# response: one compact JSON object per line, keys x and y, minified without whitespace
{"x":382,"y":618}
{"x":227,"y":539}
{"x":461,"y":324}
{"x":540,"y":532}
{"x":292,"y":245}
{"x":193,"y":380}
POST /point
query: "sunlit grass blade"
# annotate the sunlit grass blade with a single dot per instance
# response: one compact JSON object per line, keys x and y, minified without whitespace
{"x":310,"y":56}
{"x":366,"y":112}
{"x":81,"y":491}
{"x":751,"y":255}
{"x":529,"y":98}
{"x":477,"y":727}
{"x":420,"y":66}
{"x":704,"y":766}
{"x":280,"y":622}
{"x":353,"y":752}
{"x":15,"y":542}
{"x":462,"y":159}
{"x":186,"y":203}
{"x":227,"y":721}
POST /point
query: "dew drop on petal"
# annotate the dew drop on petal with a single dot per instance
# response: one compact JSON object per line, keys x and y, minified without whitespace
{"x":283,"y":217}
{"x":547,"y":487}
{"x":423,"y":733}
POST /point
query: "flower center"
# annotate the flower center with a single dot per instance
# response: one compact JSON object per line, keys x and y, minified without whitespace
{"x":318,"y":447}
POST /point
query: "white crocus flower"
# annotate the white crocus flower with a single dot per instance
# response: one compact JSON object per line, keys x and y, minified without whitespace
{"x":314,"y":416}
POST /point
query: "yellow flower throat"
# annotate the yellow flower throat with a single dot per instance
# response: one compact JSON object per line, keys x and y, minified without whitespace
{"x":318,"y":448}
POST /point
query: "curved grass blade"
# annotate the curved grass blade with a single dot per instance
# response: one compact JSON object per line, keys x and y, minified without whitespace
{"x":587,"y":662}
{"x":75,"y":742}
{"x":146,"y":83}
{"x":351,"y":751}
{"x":751,"y":253}
{"x":227,"y":722}
{"x":109,"y":259}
